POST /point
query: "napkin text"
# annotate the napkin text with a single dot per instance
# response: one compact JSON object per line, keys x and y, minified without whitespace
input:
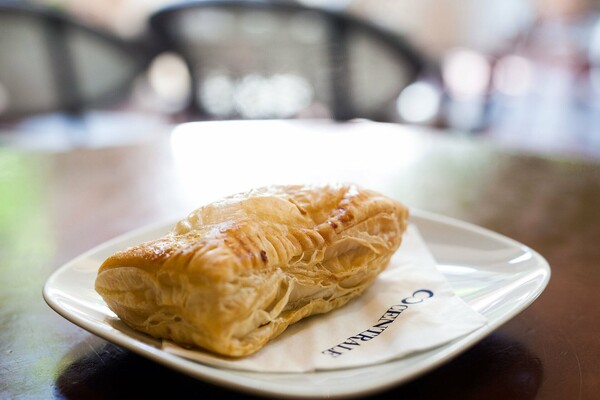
{"x":381,"y":325}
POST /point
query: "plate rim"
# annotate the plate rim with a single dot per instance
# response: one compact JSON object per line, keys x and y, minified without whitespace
{"x":245,"y":381}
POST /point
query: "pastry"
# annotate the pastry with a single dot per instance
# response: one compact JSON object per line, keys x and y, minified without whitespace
{"x":236,"y":273}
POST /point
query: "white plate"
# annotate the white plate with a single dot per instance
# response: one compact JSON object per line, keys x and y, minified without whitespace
{"x":497,"y":276}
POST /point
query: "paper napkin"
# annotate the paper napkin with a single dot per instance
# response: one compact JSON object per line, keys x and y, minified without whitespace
{"x":410,"y":308}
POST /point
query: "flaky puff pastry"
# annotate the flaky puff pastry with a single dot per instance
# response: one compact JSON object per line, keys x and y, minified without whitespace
{"x":236,"y":273}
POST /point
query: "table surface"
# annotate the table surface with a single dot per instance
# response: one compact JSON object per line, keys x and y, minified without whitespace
{"x":56,"y":205}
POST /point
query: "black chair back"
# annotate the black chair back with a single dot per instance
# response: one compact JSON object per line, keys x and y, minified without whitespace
{"x":253,"y":60}
{"x":51,"y":63}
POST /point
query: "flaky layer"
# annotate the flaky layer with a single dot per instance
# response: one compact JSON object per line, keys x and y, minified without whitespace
{"x":236,"y":273}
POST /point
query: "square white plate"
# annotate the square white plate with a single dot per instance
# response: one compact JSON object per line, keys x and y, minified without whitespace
{"x":497,"y":276}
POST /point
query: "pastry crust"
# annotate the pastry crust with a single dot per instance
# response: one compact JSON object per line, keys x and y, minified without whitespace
{"x":236,"y":273}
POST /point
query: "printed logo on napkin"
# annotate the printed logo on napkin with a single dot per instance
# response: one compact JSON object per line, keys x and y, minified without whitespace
{"x":381,"y":325}
{"x":409,"y":308}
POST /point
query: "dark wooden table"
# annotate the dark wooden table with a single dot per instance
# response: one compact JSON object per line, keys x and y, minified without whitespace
{"x":54,"y":206}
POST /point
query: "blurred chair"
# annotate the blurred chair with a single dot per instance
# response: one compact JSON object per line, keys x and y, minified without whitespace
{"x":251,"y":60}
{"x":51,"y":63}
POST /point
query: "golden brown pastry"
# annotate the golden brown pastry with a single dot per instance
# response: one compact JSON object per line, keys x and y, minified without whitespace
{"x":236,"y":273}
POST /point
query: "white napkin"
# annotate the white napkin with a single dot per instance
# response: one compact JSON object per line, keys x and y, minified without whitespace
{"x":409,"y":308}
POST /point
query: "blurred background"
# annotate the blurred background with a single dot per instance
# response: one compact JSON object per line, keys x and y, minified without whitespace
{"x":519,"y":73}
